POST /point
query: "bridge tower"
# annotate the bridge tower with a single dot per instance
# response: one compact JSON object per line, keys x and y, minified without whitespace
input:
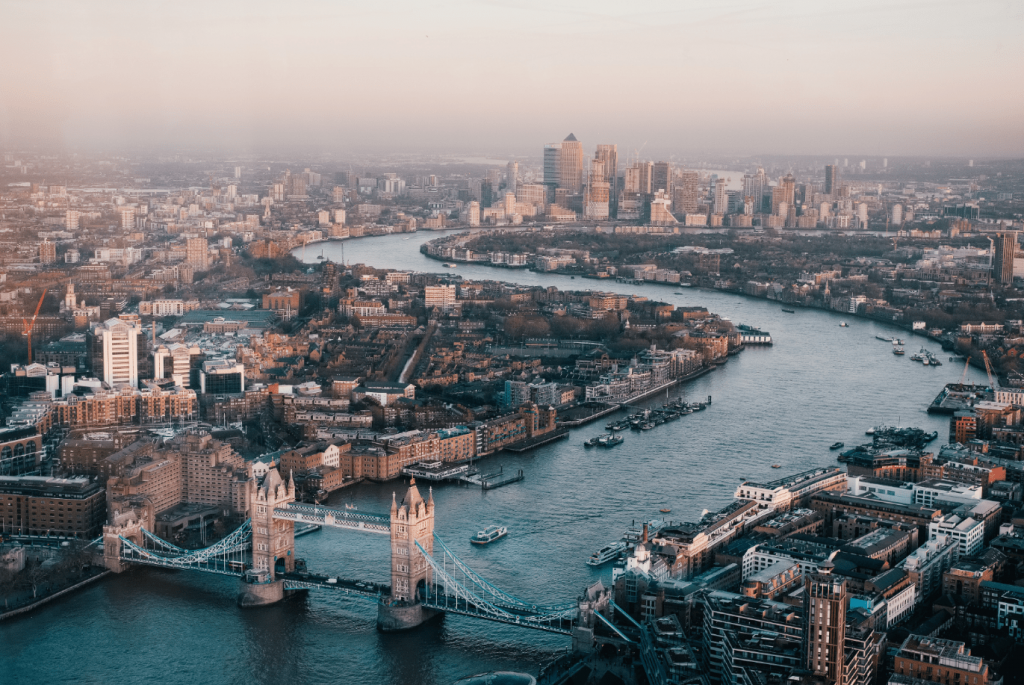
{"x":273,"y":541}
{"x":411,"y":522}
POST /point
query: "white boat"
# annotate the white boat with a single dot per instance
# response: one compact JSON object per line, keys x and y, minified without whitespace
{"x":489,"y":535}
{"x":607,"y":553}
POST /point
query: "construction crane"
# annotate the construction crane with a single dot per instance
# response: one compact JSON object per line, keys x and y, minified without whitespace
{"x":963,"y":376}
{"x":30,"y":326}
{"x":988,"y":370}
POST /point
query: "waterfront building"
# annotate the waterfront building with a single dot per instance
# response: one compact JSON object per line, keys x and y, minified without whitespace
{"x":834,"y":504}
{"x":792,"y":491}
{"x":37,"y":505}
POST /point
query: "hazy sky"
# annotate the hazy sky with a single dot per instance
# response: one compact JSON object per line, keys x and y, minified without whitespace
{"x":871,"y":77}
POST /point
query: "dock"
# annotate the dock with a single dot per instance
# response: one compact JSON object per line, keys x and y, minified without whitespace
{"x":600,"y":410}
{"x":959,"y":397}
{"x":436,"y":471}
{"x":491,"y":481}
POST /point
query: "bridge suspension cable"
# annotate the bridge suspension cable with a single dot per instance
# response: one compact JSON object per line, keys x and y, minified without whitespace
{"x":448,"y":593}
{"x":228,"y":557}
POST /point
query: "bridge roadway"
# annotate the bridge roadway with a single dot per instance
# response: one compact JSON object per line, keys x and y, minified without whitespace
{"x":298,"y":580}
{"x":347,"y":519}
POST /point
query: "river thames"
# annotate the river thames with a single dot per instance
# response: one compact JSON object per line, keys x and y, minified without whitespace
{"x":820,"y":383}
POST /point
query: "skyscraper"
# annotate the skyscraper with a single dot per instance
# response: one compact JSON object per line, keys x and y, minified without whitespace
{"x":551,"y":154}
{"x":661,"y":178}
{"x":512,"y":176}
{"x":114,"y":350}
{"x":1003,"y":250}
{"x":831,"y":179}
{"x":825,"y":634}
{"x":596,"y":204}
{"x":646,"y":176}
{"x":570,"y":165}
{"x":688,"y":192}
{"x":608,"y":155}
{"x":721,"y":200}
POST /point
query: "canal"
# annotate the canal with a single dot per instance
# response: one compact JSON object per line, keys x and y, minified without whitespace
{"x":820,"y":383}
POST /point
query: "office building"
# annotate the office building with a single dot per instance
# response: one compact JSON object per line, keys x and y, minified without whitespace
{"x":1004,"y":248}
{"x":661,"y":178}
{"x":608,"y":155}
{"x":825,"y":604}
{"x":222,"y":376}
{"x":570,"y":165}
{"x":115,"y":346}
{"x":831,"y":179}
{"x":552,"y":153}
{"x":512,"y":176}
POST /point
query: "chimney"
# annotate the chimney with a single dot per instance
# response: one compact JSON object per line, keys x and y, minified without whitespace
{"x":645,"y":533}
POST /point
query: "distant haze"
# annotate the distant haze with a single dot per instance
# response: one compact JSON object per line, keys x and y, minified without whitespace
{"x":503,"y":77}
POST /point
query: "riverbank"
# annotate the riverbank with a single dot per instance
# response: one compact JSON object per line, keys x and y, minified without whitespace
{"x":49,"y":598}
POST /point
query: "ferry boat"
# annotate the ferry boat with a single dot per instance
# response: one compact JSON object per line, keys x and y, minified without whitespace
{"x":489,"y":535}
{"x":898,"y":351}
{"x":609,"y":440}
{"x":836,"y":446}
{"x":607,"y":553}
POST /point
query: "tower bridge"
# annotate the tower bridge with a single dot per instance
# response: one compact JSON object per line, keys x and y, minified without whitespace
{"x":427,"y":577}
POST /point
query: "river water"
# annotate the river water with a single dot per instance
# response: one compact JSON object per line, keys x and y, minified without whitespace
{"x":786,"y":404}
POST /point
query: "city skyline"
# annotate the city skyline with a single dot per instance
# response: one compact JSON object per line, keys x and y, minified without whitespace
{"x":315,"y":76}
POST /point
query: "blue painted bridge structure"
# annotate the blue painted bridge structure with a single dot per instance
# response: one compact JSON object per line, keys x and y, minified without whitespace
{"x":427,"y":577}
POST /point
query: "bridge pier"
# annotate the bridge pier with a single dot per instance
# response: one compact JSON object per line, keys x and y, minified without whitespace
{"x":399,"y":617}
{"x":258,"y":590}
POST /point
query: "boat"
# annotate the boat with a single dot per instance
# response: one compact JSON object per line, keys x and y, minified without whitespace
{"x":776,"y":466}
{"x":592,"y":442}
{"x":843,"y":324}
{"x":686,"y":285}
{"x":448,"y":265}
{"x":665,"y":511}
{"x":489,"y":535}
{"x":899,"y":351}
{"x":836,"y":446}
{"x":607,"y":553}
{"x":789,"y":311}
{"x":646,"y":426}
{"x":610,"y":440}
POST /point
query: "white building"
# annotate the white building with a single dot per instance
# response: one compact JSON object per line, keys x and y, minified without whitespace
{"x":931,"y":491}
{"x":967,"y":533}
{"x":120,"y":342}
